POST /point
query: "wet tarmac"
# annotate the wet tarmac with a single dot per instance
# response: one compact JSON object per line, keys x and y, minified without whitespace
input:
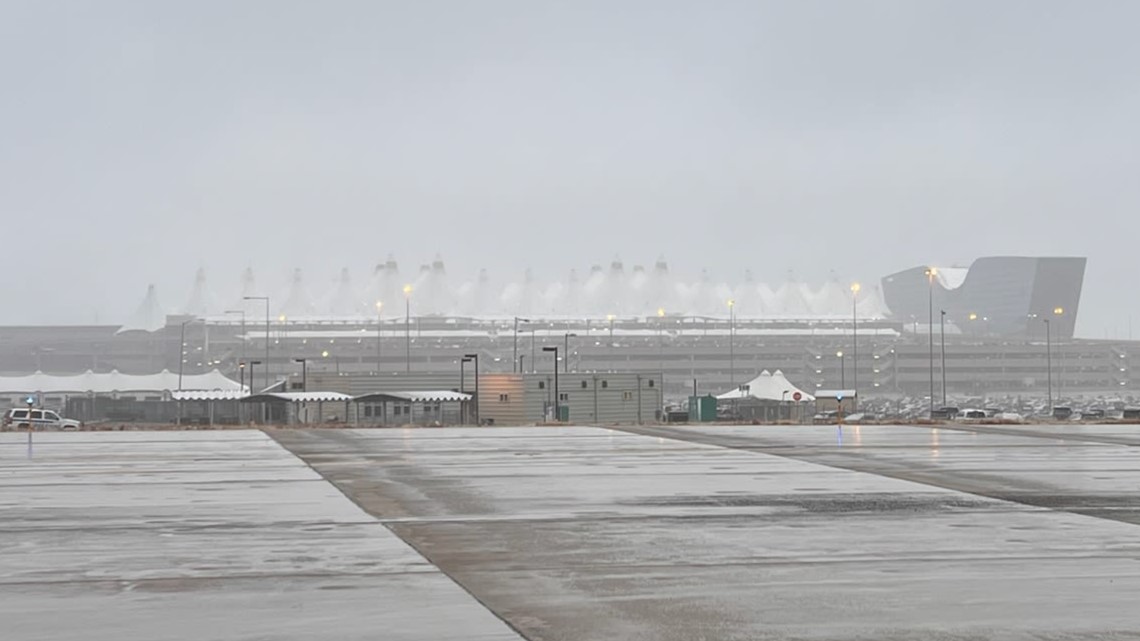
{"x":148,"y":536}
{"x":574,"y":533}
{"x":764,"y":532}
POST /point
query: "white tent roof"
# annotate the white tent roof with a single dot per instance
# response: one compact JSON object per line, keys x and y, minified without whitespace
{"x":430,"y":396}
{"x":149,"y":316}
{"x":114,"y":381}
{"x":767,"y":387}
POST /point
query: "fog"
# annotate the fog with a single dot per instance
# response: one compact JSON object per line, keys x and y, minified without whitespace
{"x":142,"y":141}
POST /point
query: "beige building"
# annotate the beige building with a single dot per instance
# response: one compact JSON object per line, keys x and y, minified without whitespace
{"x":598,"y":398}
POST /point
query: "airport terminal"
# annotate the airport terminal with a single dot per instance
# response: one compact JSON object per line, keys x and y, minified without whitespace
{"x":1001,"y":326}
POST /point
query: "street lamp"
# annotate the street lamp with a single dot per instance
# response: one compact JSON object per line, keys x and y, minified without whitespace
{"x":475,"y":358}
{"x":182,"y":349}
{"x":462,"y":378}
{"x":379,"y":327}
{"x":930,"y":274}
{"x":241,"y":376}
{"x":842,"y":373}
{"x":566,"y":352}
{"x":181,"y":363}
{"x":242,"y":312}
{"x":731,"y":343}
{"x":266,"y":299}
{"x":516,"y":353}
{"x":557,"y":406}
{"x":855,"y":287}
{"x":304,"y":372}
{"x":942,"y":331}
{"x":1058,"y":311}
{"x":408,"y":327}
{"x":264,"y":416}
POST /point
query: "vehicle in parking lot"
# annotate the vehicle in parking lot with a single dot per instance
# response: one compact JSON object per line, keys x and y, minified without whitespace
{"x":40,"y":419}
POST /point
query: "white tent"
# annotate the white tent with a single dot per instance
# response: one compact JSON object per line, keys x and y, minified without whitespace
{"x":767,"y":387}
{"x":114,"y":381}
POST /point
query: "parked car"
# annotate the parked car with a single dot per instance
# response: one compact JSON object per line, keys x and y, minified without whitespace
{"x":972,"y":415}
{"x":41,"y":419}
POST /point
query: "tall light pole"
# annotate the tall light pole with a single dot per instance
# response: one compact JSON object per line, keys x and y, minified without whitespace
{"x":475,"y":358}
{"x":566,"y":351}
{"x":930,"y":272}
{"x":304,"y":373}
{"x":182,"y":350}
{"x":379,"y":327}
{"x":942,"y":331}
{"x":304,"y":384}
{"x":1049,"y":363}
{"x":557,"y":405}
{"x":181,"y":362}
{"x":855,"y":287}
{"x":731,"y":343}
{"x":1058,"y":311}
{"x":462,"y":377}
{"x":408,"y":328}
{"x":518,"y":367}
{"x":266,"y":299}
{"x":242,"y":312}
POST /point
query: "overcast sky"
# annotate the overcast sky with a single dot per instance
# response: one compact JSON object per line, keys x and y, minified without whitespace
{"x":141,"y":140}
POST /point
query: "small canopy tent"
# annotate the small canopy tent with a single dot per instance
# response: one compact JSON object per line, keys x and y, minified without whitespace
{"x":768,"y":397}
{"x":767,"y":386}
{"x":293,"y":407}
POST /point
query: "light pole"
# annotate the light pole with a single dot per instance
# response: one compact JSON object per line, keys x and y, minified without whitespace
{"x":181,"y":363}
{"x":1058,"y":311}
{"x":557,"y":405}
{"x":251,"y":366}
{"x":855,"y":287}
{"x":241,"y":376}
{"x":842,"y":372}
{"x":408,"y":328}
{"x":516,"y":353}
{"x":566,"y":352}
{"x":379,"y":327}
{"x":930,"y":272}
{"x":731,"y":343}
{"x":462,"y":376}
{"x":942,"y":331}
{"x":475,"y":358}
{"x":266,"y":299}
{"x":242,"y":312}
{"x":304,"y":373}
{"x":610,"y":318}
{"x":1048,"y":355}
{"x":182,"y":349}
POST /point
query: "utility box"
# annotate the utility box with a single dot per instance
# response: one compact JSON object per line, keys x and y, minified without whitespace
{"x":702,"y":409}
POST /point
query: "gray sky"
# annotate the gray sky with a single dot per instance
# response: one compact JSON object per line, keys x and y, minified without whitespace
{"x":141,"y":140}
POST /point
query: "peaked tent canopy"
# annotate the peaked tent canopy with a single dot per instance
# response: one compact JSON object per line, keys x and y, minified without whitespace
{"x":114,"y":381}
{"x":767,"y":387}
